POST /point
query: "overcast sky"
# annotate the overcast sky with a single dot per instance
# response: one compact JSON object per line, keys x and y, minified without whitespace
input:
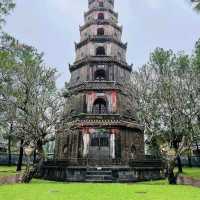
{"x":52,"y":26}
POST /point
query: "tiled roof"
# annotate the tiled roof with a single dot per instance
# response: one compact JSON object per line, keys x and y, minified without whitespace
{"x":100,"y":59}
{"x":101,"y":22}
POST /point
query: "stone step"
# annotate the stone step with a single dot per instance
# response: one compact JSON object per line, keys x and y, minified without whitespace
{"x":99,"y":177}
{"x":99,"y":172}
{"x":98,"y":168}
{"x":98,"y":181}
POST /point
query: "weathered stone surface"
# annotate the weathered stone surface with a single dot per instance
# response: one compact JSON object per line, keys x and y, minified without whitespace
{"x":10,"y":179}
{"x":183,"y":180}
{"x":99,"y":139}
{"x":114,"y":174}
{"x":98,"y":109}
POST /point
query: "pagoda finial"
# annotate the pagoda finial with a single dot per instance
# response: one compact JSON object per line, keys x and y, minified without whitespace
{"x":98,"y":1}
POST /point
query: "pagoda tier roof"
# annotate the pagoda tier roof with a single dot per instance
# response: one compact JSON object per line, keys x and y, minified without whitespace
{"x":95,"y":85}
{"x":110,"y":1}
{"x":101,"y":9}
{"x":103,"y":121}
{"x":101,"y":39}
{"x":101,"y":60}
{"x":101,"y":22}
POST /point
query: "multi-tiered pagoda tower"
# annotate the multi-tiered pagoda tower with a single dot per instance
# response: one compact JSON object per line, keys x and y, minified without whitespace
{"x":99,"y":126}
{"x":100,"y":109}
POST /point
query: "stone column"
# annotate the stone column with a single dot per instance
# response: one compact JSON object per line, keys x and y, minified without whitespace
{"x":112,"y":145}
{"x":86,"y":143}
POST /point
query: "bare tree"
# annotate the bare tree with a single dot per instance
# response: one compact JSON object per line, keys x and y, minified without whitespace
{"x":167,"y":96}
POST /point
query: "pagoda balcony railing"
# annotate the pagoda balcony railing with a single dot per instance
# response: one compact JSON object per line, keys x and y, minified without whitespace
{"x":100,"y":59}
{"x":102,"y":120}
{"x":137,"y":163}
{"x":97,"y":116}
{"x":101,"y":22}
{"x":101,"y":9}
{"x":96,"y":85}
{"x":101,"y":38}
{"x":92,"y":1}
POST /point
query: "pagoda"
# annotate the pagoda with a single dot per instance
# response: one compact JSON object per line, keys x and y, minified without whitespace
{"x":98,"y":128}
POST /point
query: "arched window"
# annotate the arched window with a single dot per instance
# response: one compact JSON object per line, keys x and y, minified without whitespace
{"x":100,"y":75}
{"x":100,"y":51}
{"x":101,"y":16}
{"x":99,"y":106}
{"x":133,"y":151}
{"x":100,"y":140}
{"x":100,"y":31}
{"x":65,"y":149}
{"x":101,"y":4}
{"x":119,"y":54}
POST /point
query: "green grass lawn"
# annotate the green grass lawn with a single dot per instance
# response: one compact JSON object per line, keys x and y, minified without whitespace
{"x":8,"y":171}
{"x":192,"y":172}
{"x":44,"y":190}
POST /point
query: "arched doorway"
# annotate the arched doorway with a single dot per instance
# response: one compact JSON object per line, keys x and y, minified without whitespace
{"x":133,"y":151}
{"x":100,"y":51}
{"x":100,"y":75}
{"x":100,"y":31}
{"x":100,"y":16}
{"x":99,"y":106}
{"x":99,"y":150}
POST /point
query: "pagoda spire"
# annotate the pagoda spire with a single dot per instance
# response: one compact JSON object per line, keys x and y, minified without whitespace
{"x":101,"y":4}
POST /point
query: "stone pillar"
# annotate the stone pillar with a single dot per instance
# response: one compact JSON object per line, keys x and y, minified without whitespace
{"x":86,"y":143}
{"x":112,"y":145}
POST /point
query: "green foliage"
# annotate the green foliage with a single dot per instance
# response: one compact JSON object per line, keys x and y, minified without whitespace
{"x":5,"y":7}
{"x":192,"y":172}
{"x":196,"y":57}
{"x":8,"y":171}
{"x":28,"y":91}
{"x":167,"y":96}
{"x":196,"y":4}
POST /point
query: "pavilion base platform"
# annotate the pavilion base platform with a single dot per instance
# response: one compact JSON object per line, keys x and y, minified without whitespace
{"x":134,"y":172}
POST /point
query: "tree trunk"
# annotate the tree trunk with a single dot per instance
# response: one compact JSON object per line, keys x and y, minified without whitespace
{"x":172,"y":178}
{"x":179,"y":163}
{"x":30,"y":172}
{"x":197,"y":145}
{"x":190,"y":157}
{"x":34,"y":156}
{"x":9,"y":145}
{"x":189,"y":160}
{"x":9,"y":151}
{"x":21,"y":152}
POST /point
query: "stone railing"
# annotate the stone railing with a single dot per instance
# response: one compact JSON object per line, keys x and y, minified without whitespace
{"x":83,"y":162}
{"x":101,"y":59}
{"x":101,"y":120}
{"x":14,"y":159}
{"x":101,"y":22}
{"x":101,"y":9}
{"x":96,"y":85}
{"x":147,"y":164}
{"x":102,"y":38}
{"x":91,"y":116}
